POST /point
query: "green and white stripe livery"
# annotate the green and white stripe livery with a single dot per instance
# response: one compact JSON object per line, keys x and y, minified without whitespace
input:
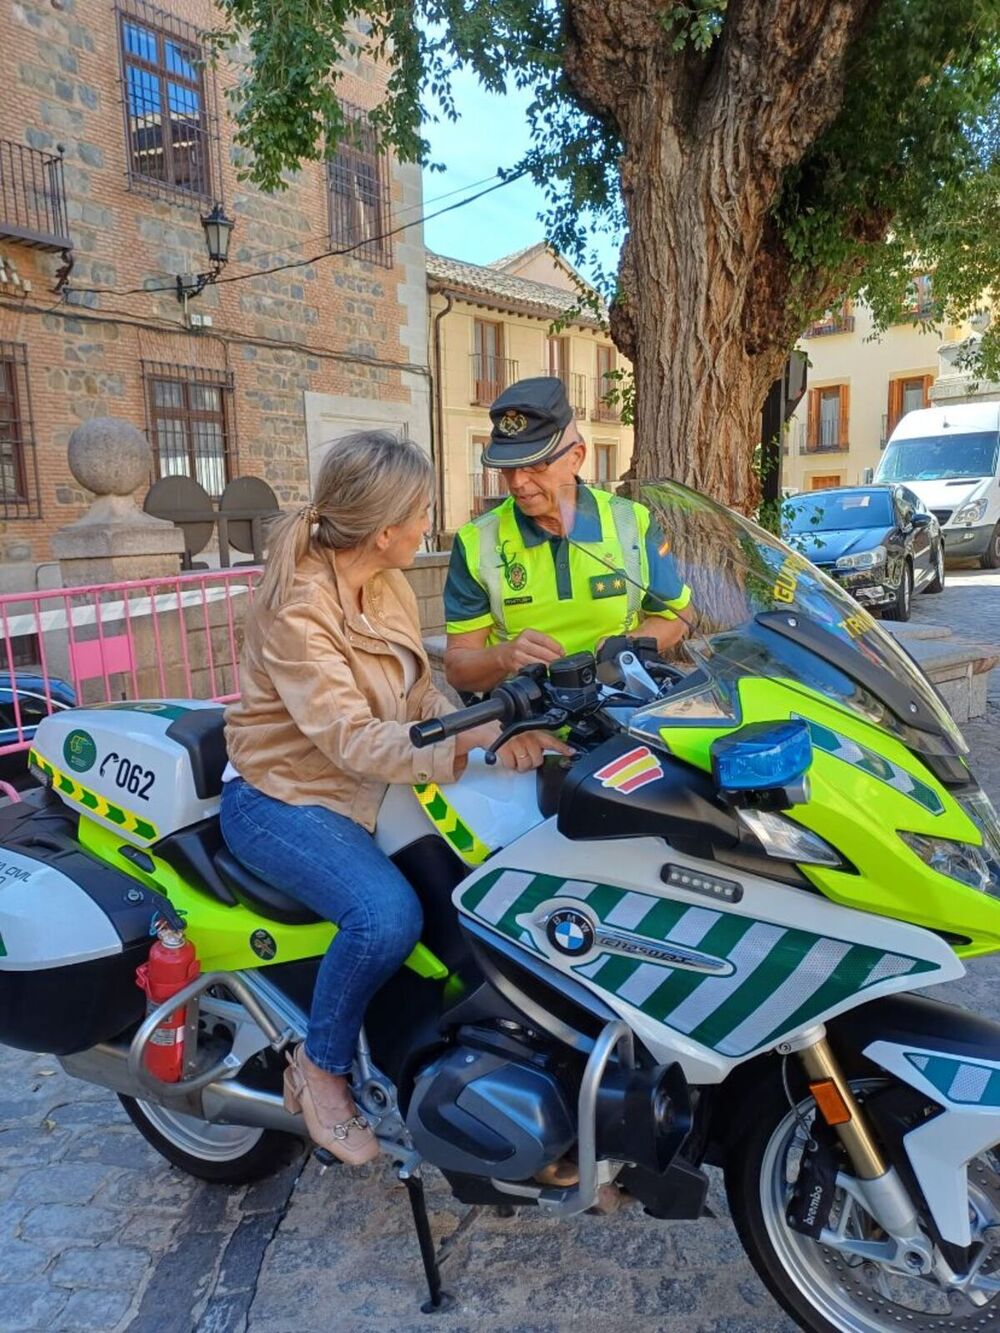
{"x":777,"y":962}
{"x":875,"y":765}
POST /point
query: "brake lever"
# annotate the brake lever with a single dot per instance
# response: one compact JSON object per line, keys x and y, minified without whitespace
{"x":555,"y":717}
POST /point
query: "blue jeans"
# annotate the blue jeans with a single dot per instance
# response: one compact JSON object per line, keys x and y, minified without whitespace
{"x":331,"y":864}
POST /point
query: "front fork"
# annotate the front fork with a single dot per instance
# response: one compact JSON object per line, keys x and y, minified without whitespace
{"x":876,"y":1184}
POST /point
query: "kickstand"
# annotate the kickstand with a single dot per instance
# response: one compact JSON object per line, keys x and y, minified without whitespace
{"x":439,"y":1300}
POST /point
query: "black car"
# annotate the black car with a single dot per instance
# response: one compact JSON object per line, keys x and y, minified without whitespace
{"x":879,"y":542}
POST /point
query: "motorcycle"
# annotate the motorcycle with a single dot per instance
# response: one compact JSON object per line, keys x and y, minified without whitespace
{"x":697,"y":943}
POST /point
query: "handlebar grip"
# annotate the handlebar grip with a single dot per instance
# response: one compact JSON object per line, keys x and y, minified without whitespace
{"x":435,"y":729}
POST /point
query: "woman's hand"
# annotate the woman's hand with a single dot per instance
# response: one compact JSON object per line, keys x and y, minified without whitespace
{"x":527,"y":751}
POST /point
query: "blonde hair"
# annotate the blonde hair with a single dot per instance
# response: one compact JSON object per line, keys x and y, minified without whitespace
{"x":367,"y":481}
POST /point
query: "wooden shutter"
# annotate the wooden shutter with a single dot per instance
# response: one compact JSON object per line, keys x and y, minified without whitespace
{"x":895,"y":406}
{"x":812,"y":420}
{"x":845,"y":421}
{"x":928,"y":381}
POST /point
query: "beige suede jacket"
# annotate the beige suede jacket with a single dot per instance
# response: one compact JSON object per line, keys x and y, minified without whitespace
{"x":323,"y":718}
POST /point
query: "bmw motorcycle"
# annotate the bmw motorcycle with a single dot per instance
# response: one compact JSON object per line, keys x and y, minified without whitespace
{"x":699,"y":942}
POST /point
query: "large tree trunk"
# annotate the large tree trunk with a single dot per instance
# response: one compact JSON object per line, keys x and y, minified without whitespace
{"x":705,"y":308}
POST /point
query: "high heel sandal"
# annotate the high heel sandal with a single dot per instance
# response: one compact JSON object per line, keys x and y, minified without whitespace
{"x":340,"y":1128}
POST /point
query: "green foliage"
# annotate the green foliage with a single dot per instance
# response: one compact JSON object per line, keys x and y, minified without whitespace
{"x":914,"y":151}
{"x":698,"y":24}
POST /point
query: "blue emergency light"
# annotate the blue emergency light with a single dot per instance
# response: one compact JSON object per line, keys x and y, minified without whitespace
{"x":761,"y":756}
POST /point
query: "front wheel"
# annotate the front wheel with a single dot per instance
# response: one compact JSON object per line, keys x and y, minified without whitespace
{"x":991,"y":557}
{"x":223,"y":1154}
{"x":900,"y":608}
{"x":829,"y":1287}
{"x":937,"y":582}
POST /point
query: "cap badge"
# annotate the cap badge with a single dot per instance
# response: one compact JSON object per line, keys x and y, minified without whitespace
{"x":512,"y":423}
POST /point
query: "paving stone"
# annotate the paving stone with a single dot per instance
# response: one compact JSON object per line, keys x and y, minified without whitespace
{"x":30,"y":1306}
{"x":64,"y":1182}
{"x":70,"y":1222}
{"x":106,"y":1266}
{"x":32,"y":1145}
{"x":94,"y":1310}
{"x":181,"y":1280}
{"x":19,"y":1260}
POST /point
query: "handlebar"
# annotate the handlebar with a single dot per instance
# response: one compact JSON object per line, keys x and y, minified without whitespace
{"x":515,"y":700}
{"x":436,"y":729}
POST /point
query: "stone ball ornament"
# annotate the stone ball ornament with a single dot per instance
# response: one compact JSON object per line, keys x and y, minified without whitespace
{"x":109,"y":456}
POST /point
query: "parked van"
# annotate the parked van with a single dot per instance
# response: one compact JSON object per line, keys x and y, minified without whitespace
{"x":949,"y":457}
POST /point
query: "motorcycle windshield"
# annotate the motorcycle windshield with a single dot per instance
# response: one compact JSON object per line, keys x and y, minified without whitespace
{"x":758,"y":608}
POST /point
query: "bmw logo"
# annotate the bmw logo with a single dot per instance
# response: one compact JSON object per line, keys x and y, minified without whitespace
{"x":570,"y":932}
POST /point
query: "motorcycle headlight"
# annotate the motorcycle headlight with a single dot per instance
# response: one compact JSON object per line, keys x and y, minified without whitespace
{"x":787,"y":841}
{"x":980,"y":810}
{"x":972,"y":512}
{"x":960,"y":861}
{"x":863,"y":559}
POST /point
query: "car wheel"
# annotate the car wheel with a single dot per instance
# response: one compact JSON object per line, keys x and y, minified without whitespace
{"x":991,"y":557}
{"x":937,"y":581}
{"x":900,"y":608}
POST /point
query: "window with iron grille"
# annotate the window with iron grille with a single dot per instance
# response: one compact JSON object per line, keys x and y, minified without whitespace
{"x":191,"y":423}
{"x":18,"y":465}
{"x":169,"y":123}
{"x":358,"y":183}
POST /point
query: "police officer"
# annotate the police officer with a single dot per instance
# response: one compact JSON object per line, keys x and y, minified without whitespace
{"x":518,"y":591}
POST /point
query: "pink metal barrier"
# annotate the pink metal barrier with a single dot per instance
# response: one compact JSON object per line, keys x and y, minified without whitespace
{"x":177,"y":637}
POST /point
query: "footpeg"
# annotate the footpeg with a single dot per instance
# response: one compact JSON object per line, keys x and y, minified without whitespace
{"x":325,"y":1158}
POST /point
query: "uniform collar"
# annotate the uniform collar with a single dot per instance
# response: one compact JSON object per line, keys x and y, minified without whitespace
{"x":586,"y":525}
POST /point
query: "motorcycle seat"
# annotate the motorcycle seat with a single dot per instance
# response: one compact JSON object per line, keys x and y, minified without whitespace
{"x":258,"y":896}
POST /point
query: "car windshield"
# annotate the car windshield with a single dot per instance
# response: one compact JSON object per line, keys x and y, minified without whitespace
{"x":940,"y":458}
{"x":835,"y":511}
{"x":759,"y":608}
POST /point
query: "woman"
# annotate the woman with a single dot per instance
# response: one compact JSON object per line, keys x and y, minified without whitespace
{"x":333,"y":673}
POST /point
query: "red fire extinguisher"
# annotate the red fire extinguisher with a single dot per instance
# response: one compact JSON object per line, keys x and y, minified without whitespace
{"x":172,"y":964}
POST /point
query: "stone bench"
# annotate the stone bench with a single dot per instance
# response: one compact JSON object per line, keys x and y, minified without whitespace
{"x":958,"y":667}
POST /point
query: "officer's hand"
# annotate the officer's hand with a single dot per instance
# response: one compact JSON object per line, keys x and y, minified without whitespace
{"x":527,"y":751}
{"x":529,"y":647}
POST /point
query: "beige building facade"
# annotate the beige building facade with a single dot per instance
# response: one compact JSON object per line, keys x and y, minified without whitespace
{"x":860,"y":385}
{"x":490,"y":325}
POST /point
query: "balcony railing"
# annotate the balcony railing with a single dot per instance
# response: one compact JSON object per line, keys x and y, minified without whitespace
{"x":486,"y":490}
{"x":601,"y":409}
{"x":838,"y":323}
{"x":826,"y":437}
{"x":490,"y":376}
{"x":575,"y":386}
{"x":33,"y":197}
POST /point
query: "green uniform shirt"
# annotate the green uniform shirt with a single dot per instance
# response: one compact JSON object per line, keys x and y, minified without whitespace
{"x":508,"y":574}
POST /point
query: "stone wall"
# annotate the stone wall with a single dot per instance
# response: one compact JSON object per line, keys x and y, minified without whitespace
{"x":427,"y":577}
{"x":350,"y":330}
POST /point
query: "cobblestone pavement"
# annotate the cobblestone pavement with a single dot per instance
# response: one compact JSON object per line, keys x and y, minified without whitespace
{"x":97,"y":1232}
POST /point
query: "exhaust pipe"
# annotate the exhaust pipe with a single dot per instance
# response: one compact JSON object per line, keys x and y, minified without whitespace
{"x":224,"y":1102}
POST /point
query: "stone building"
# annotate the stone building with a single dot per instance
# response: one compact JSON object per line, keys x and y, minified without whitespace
{"x":491,"y":324}
{"x":115,"y":140}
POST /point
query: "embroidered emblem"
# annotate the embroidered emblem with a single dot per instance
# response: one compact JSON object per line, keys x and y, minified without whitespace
{"x":514,"y":572}
{"x":512,"y":423}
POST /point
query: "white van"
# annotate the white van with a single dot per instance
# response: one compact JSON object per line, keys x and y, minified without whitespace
{"x":949,"y":457}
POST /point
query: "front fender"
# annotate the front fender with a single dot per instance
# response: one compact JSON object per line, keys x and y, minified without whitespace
{"x":951,"y":1057}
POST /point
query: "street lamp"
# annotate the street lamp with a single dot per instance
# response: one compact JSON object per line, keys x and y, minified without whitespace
{"x":218,"y":230}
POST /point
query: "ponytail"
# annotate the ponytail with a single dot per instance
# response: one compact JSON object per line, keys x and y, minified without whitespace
{"x":288,"y":542}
